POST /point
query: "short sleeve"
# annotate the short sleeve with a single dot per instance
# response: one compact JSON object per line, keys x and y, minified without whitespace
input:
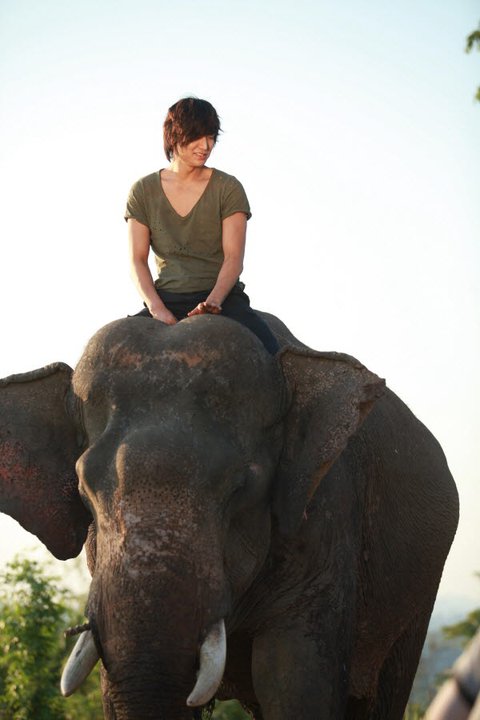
{"x":136,"y":204}
{"x":234,"y":199}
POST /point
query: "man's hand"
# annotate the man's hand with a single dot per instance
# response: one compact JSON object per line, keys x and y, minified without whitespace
{"x":205,"y":308}
{"x":164,"y":315}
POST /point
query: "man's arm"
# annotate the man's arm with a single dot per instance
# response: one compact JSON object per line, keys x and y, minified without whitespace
{"x":139,"y":247}
{"x":234,"y":231}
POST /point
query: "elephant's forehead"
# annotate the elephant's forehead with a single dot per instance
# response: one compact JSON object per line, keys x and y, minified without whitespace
{"x":132,"y":342}
{"x":142,"y":344}
{"x":140,"y":360}
{"x":122,"y":356}
{"x":215,"y":370}
{"x":119,"y":364}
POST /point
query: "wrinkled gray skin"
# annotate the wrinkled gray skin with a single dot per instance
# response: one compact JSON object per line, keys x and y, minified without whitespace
{"x":293,"y":496}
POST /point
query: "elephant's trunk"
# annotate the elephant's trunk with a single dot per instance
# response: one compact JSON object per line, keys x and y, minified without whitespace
{"x":159,"y":587}
{"x":213,"y":654}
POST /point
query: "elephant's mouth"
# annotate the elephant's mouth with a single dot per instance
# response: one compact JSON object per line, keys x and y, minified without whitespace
{"x":212,"y":658}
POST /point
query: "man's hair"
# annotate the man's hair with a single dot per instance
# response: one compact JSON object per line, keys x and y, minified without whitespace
{"x":187,"y":120}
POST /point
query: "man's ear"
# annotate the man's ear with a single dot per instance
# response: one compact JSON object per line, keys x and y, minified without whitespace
{"x":330,"y":396}
{"x":39,"y":446}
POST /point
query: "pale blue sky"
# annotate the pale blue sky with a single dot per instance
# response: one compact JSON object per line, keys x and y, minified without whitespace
{"x":352,"y":127}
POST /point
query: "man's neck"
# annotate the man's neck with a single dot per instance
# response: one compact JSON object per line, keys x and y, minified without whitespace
{"x":187,"y":173}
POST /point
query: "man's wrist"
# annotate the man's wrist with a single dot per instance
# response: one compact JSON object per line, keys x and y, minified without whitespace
{"x":155,"y":306}
{"x":215,"y":298}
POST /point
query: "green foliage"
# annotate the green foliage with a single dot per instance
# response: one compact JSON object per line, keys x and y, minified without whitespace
{"x":473,"y":40}
{"x":465,"y":629}
{"x":230,"y":710}
{"x":34,"y":613}
{"x":413,"y":712}
{"x":32,"y":620}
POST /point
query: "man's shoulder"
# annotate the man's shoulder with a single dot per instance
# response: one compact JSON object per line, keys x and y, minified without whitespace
{"x":148,"y":180}
{"x":225,"y":179}
{"x":145,"y":189}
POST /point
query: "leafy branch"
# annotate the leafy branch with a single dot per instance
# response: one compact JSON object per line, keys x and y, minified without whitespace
{"x":473,"y":40}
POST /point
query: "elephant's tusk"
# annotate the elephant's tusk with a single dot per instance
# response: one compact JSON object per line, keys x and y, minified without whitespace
{"x":213,"y":654}
{"x":81,"y":662}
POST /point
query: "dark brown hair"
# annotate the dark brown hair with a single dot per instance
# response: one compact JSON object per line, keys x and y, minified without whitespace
{"x":187,"y":120}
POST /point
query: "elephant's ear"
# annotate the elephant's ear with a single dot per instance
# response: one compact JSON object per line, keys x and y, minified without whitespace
{"x":38,"y":450}
{"x":330,"y":396}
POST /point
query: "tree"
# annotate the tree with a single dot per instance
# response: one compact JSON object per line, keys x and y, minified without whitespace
{"x":413,"y":711}
{"x":230,"y":710}
{"x":35,"y":611}
{"x":473,"y":40}
{"x":466,"y":628}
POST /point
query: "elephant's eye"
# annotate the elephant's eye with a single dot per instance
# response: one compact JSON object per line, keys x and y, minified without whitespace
{"x":246,"y":484}
{"x":75,"y":413}
{"x":95,"y":418}
{"x":239,"y":481}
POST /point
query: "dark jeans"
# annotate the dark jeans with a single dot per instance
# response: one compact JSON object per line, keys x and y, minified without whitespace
{"x":236,"y":306}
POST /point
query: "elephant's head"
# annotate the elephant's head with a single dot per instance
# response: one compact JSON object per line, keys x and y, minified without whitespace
{"x":193,"y":447}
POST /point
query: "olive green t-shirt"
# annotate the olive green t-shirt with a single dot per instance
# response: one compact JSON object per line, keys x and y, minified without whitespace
{"x":188,"y":250}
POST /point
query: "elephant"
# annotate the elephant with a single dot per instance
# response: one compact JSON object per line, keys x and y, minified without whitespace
{"x":266,"y":528}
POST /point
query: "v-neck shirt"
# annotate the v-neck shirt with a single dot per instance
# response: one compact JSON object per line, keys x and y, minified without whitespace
{"x":188,"y":248}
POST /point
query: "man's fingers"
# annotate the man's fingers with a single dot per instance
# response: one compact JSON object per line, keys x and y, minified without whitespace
{"x":213,"y":308}
{"x":205,"y":307}
{"x":197,"y":310}
{"x":166,"y":318}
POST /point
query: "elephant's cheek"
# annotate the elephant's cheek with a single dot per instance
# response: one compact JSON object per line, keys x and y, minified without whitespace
{"x":246,"y":550}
